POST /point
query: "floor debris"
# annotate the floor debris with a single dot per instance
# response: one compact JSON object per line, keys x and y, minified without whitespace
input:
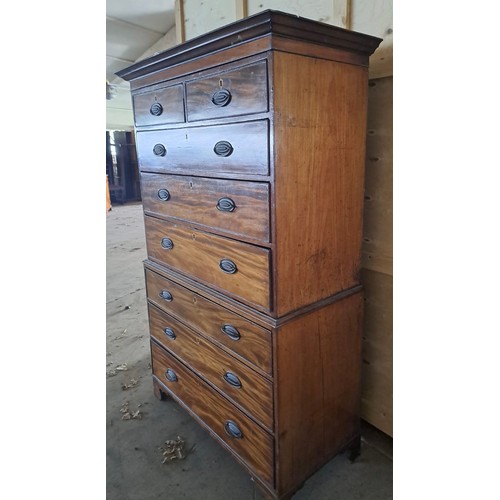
{"x":133,"y":382}
{"x":122,"y":367}
{"x":174,"y":448}
{"x":129,"y":414}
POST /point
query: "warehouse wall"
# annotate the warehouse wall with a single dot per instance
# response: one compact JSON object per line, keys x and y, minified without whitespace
{"x":119,"y":114}
{"x":374,"y":17}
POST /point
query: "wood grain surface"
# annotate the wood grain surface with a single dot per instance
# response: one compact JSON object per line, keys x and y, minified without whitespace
{"x":191,"y":150}
{"x":319,"y":141}
{"x":199,"y":254}
{"x":255,"y":395}
{"x":255,"y":448}
{"x":247,"y":87}
{"x":318,"y":371}
{"x":170,"y":98}
{"x":195,"y":199}
{"x":254,"y":345}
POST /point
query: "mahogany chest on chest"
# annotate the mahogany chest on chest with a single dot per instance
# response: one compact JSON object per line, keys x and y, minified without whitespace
{"x":251,"y":147}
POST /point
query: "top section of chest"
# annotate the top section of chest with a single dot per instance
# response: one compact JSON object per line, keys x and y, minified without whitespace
{"x":241,"y":89}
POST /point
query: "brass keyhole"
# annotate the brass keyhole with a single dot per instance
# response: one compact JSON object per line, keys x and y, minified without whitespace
{"x":221,"y":82}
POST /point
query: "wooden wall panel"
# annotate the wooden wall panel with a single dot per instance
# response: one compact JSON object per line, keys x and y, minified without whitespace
{"x":201,"y":16}
{"x":374,"y":17}
{"x":377,"y":234}
{"x":376,"y":385}
{"x":376,"y":406}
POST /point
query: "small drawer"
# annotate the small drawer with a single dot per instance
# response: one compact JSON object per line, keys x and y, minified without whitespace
{"x":250,"y":391}
{"x":159,"y":107}
{"x":246,"y":340}
{"x":235,"y":267}
{"x":236,"y":92}
{"x":244,"y":437}
{"x":239,"y":207}
{"x":235,"y":148}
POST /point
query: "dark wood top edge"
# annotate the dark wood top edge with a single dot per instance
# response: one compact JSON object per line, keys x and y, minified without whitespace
{"x":268,"y":22}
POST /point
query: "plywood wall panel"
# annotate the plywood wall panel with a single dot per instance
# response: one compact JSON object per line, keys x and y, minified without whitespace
{"x":202,"y":16}
{"x":374,"y":17}
{"x":376,"y":387}
{"x":377,"y":231}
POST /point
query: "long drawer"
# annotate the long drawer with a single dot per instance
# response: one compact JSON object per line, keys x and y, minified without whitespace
{"x":238,"y":382}
{"x":235,"y":148}
{"x":245,"y":438}
{"x":239,"y":207}
{"x":247,"y":341}
{"x":235,"y":267}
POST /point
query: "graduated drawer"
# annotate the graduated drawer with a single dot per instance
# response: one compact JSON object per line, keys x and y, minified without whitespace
{"x":235,"y":148}
{"x":235,"y":267}
{"x":235,"y":92}
{"x":244,"y":339}
{"x":239,"y":207}
{"x":244,"y":437}
{"x":159,"y":106}
{"x":250,"y":391}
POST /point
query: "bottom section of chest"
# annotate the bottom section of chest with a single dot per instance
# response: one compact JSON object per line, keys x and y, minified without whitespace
{"x":283,"y":400}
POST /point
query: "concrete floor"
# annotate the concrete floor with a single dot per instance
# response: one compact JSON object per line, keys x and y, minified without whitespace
{"x":134,"y":455}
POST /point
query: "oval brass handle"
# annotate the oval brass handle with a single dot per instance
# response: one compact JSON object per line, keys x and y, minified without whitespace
{"x":228,"y":266}
{"x":159,"y":150}
{"x":233,"y":430}
{"x":223,"y":148}
{"x":170,"y":374}
{"x":232,"y":379}
{"x":170,"y":333}
{"x":221,"y":97}
{"x":167,"y":243}
{"x":165,"y":294}
{"x":163,"y":194}
{"x":156,"y":109}
{"x":226,"y":205}
{"x":231,"y":332}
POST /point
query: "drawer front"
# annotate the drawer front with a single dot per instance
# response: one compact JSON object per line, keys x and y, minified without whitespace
{"x":241,"y":384}
{"x":238,"y":207}
{"x":235,"y":267}
{"x":240,"y":336}
{"x":252,"y":444}
{"x":159,"y":107}
{"x":236,"y":92}
{"x":236,"y":148}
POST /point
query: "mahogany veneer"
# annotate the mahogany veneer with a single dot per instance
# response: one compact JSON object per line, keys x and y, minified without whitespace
{"x":251,"y":144}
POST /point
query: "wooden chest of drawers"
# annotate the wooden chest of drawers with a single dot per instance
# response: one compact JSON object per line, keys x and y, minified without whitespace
{"x":251,"y":144}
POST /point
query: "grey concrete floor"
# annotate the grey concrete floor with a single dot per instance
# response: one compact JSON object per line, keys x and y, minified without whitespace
{"x":134,"y":455}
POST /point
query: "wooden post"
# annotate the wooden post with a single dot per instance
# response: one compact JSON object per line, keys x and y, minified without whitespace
{"x":180,"y":29}
{"x":342,"y":13}
{"x":241,"y":9}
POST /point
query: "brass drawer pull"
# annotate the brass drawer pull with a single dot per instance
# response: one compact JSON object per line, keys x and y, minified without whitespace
{"x":232,"y":379}
{"x":170,"y":374}
{"x":159,"y":150}
{"x":165,"y":294}
{"x":231,"y":332}
{"x":228,"y":266}
{"x":222,"y":97}
{"x":167,"y":243}
{"x":163,"y":194}
{"x":233,"y":430}
{"x":156,"y":109}
{"x":226,"y":205}
{"x":223,"y":148}
{"x":170,"y":333}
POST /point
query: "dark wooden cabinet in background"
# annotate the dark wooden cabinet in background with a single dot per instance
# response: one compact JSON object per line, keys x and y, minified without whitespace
{"x":251,"y":147}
